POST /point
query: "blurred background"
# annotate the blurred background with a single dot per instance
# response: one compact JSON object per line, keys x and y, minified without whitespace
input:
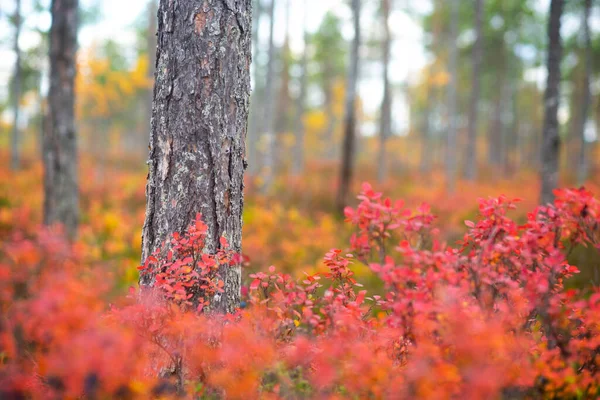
{"x":449,"y":108}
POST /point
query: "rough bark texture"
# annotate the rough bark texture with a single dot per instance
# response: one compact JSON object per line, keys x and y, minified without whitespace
{"x":61,"y":192}
{"x":199,"y":122}
{"x":471,"y":156}
{"x":348,"y":150}
{"x":550,"y":132}
{"x":15,"y":160}
{"x":269,"y":108}
{"x":582,"y":165}
{"x":299,"y":126}
{"x":451,"y":149}
{"x":385,"y":121}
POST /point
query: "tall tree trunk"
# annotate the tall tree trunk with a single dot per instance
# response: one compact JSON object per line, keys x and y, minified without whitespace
{"x":470,"y":171}
{"x":151,"y":43}
{"x":61,"y":191}
{"x":199,"y":120}
{"x":15,"y":160}
{"x":550,"y":132}
{"x":386,"y":105}
{"x":255,"y":109}
{"x":269,"y":107}
{"x":451,"y":149}
{"x":299,"y":126}
{"x":284,"y":99}
{"x":582,"y":167}
{"x":347,"y":167}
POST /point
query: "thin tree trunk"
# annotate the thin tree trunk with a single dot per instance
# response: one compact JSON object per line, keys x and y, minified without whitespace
{"x":582,"y":168}
{"x":15,"y":162}
{"x":347,"y":168}
{"x":61,"y":191}
{"x":386,"y":106}
{"x":253,"y":130}
{"x":452,"y":100}
{"x":299,"y":127}
{"x":199,"y":119}
{"x":550,"y":133}
{"x":284,"y":100}
{"x":470,"y":171}
{"x":269,"y":115}
{"x":151,"y":43}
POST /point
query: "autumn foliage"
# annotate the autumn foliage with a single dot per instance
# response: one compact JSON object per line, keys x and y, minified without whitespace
{"x":489,"y":317}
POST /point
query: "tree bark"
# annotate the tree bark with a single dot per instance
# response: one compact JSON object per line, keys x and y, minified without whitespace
{"x":582,"y":166}
{"x":452,"y":100}
{"x":385,"y":122}
{"x":15,"y":160}
{"x":199,"y":122}
{"x":347,"y":167}
{"x":470,"y":172}
{"x":61,"y":191}
{"x":550,"y":133}
{"x":299,"y":127}
{"x":269,"y":108}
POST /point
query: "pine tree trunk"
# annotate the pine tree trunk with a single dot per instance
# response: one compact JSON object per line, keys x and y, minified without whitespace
{"x":347,"y":167}
{"x":199,"y":121}
{"x":550,"y":132}
{"x":15,"y":162}
{"x":386,"y":105}
{"x":299,"y":127}
{"x":470,"y":172}
{"x":582,"y":167}
{"x":451,"y":149}
{"x":61,"y":192}
{"x":269,"y":108}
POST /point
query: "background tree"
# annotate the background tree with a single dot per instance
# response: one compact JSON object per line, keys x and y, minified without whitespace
{"x":299,"y":124}
{"x":550,"y":134}
{"x":451,"y":148}
{"x":582,"y":165}
{"x":257,"y":92}
{"x":347,"y":166}
{"x":269,"y":125}
{"x":385,"y":121}
{"x":470,"y":171}
{"x":61,"y":192}
{"x":16,"y":92}
{"x":199,"y":119}
{"x":331,"y":59}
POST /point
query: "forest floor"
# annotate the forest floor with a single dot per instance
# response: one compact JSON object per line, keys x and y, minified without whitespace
{"x":292,"y":228}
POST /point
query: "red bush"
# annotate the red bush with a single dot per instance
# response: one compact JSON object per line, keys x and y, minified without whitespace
{"x":487,"y":318}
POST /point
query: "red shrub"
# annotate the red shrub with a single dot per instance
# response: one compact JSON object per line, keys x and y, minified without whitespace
{"x":487,"y":318}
